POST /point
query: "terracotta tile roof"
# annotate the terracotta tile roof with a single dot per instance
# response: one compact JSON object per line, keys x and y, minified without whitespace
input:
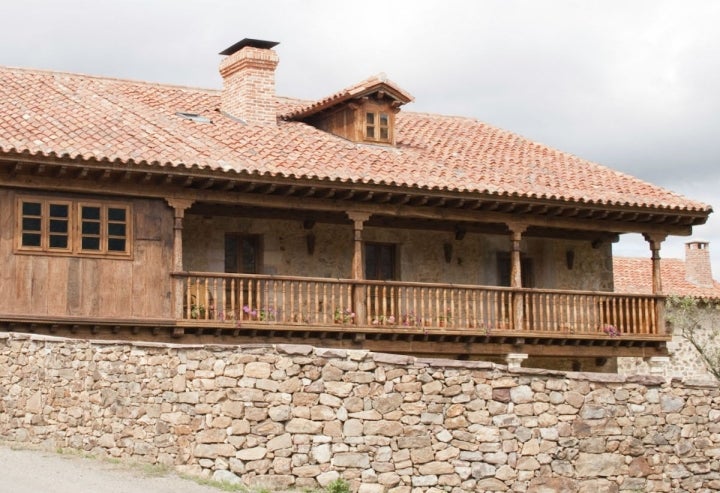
{"x":367,"y":86}
{"x":634,"y":275}
{"x":83,"y":117}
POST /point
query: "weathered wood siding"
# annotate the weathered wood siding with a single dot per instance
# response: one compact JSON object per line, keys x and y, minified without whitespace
{"x":50,"y":285}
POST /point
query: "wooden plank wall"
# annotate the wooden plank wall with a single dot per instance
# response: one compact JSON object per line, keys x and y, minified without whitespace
{"x":87,"y":287}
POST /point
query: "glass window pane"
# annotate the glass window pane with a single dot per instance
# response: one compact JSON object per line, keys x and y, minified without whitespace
{"x":384,"y":135}
{"x":115,"y":229}
{"x":58,"y":210}
{"x":30,"y":240}
{"x":58,"y":226}
{"x":31,"y":208}
{"x":31,"y":224}
{"x":370,"y":118}
{"x":90,"y":228}
{"x":370,"y":132}
{"x":90,"y":212}
{"x":384,"y":119}
{"x":231,"y":247}
{"x":90,"y":243}
{"x":115,"y":214}
{"x":58,"y":241}
{"x":116,"y":245}
{"x":249,"y":255}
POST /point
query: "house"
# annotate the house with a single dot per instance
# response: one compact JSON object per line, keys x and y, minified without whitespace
{"x":140,"y":210}
{"x":691,"y":277}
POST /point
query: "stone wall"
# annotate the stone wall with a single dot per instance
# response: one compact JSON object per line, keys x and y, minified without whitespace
{"x":421,"y":256}
{"x":296,"y":416}
{"x":684,"y":360}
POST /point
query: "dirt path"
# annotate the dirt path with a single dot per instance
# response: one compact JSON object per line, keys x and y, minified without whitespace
{"x":35,"y":471}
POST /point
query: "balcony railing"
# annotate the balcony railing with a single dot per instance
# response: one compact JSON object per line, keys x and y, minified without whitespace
{"x":389,"y":305}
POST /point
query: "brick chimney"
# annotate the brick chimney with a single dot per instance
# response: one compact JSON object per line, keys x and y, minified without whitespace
{"x":698,"y":269}
{"x":248,"y":73}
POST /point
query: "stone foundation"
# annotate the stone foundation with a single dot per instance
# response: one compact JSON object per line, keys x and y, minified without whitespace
{"x":298,"y":416}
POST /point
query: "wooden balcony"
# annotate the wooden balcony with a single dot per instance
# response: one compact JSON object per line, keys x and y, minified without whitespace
{"x":409,"y":311}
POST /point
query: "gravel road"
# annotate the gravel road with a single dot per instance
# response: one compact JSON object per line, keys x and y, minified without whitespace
{"x":35,"y":471}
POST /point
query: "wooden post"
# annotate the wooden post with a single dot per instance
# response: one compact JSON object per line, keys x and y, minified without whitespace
{"x":654,"y":240}
{"x":179,"y":206}
{"x":358,"y":219}
{"x":516,"y":231}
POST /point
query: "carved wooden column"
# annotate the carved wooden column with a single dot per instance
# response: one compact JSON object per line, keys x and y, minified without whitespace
{"x":179,"y":206}
{"x":516,"y":231}
{"x":358,"y":219}
{"x":655,"y":240}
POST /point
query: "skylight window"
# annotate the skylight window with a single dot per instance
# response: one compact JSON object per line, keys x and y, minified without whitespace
{"x":197,"y":118}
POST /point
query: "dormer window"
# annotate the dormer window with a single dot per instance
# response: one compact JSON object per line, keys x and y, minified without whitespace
{"x":377,"y":126}
{"x":363,"y":113}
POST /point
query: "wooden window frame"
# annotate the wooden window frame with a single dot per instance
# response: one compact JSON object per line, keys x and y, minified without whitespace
{"x":45,"y":219}
{"x":377,"y":115}
{"x":74,"y":227}
{"x":395,"y":260}
{"x":104,"y":235}
{"x":258,"y":246}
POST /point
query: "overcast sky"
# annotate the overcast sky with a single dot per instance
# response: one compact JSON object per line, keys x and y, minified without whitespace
{"x":634,"y":85}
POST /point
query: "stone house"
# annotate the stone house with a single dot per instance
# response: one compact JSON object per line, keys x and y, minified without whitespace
{"x":148,"y":211}
{"x":691,"y":277}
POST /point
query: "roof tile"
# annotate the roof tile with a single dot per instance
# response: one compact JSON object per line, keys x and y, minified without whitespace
{"x":78,"y":116}
{"x":634,"y":275}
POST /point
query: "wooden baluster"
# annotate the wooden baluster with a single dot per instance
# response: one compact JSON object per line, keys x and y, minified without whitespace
{"x":573,"y":301}
{"x":413,"y":319}
{"x":636,"y":316}
{"x":394,"y":300}
{"x":569,"y":311}
{"x":251,"y":301}
{"x":187,"y":286}
{"x":348,"y":295}
{"x":437,"y":308}
{"x":289,"y":302}
{"x":533,"y":310}
{"x":203,"y":300}
{"x":302,"y":307}
{"x":482,"y":309}
{"x":369,"y":301}
{"x":420,"y":313}
{"x":222,"y":304}
{"x":317,"y":302}
{"x":212,"y":299}
{"x":382,"y":296}
{"x":653,"y":318}
{"x":474,"y":295}
{"x":275,"y":307}
{"x":231,"y":302}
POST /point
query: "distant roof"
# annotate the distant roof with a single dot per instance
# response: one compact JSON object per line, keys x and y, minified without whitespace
{"x":72,"y":116}
{"x":634,"y":275}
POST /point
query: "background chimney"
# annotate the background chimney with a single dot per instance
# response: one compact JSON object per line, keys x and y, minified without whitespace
{"x":248,"y":73}
{"x":698,"y":269}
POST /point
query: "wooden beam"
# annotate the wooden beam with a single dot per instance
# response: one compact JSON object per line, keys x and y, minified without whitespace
{"x":299,"y":203}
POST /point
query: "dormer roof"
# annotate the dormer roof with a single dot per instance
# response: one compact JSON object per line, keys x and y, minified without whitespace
{"x":377,"y":84}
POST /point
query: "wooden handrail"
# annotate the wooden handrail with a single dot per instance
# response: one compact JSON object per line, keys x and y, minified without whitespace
{"x":293,"y":300}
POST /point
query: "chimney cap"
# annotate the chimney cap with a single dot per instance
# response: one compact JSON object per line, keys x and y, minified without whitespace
{"x":255,"y":43}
